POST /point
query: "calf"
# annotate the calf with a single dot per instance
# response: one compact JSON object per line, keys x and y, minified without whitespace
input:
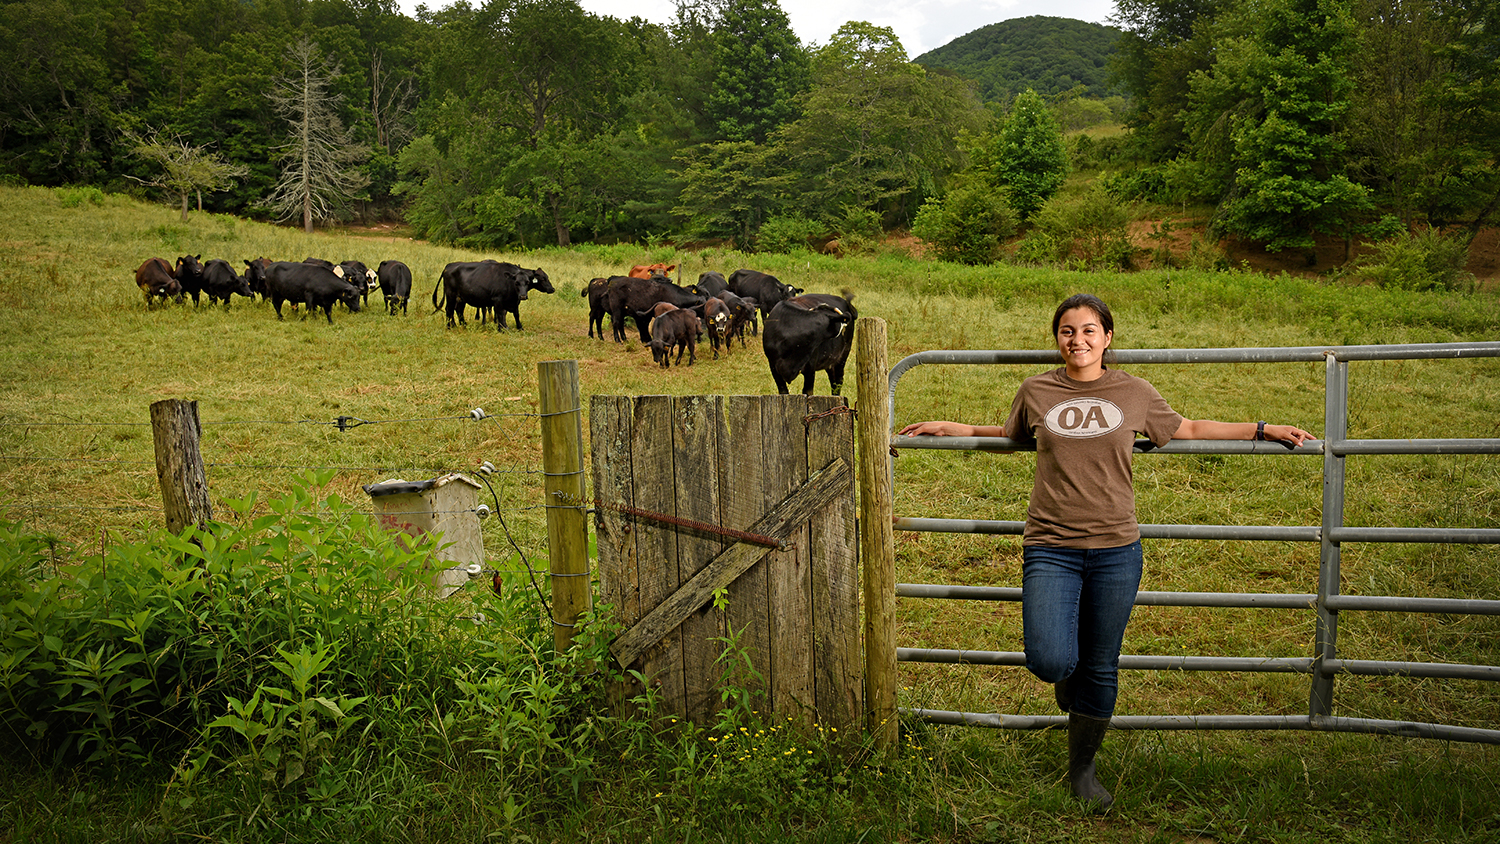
{"x":807,"y":333}
{"x":395,"y":285}
{"x":220,"y":281}
{"x":677,"y":327}
{"x":743,"y":312}
{"x":157,"y":281}
{"x":597,"y":292}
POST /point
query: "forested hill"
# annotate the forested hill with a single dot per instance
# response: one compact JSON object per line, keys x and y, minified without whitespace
{"x":1050,"y":55}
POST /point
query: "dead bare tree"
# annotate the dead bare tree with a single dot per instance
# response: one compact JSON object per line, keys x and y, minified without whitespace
{"x":320,"y":158}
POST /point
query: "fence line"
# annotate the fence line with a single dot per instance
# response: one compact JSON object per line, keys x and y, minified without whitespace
{"x":1329,"y":534}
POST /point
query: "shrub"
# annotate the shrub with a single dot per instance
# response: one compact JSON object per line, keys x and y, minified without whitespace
{"x":1085,"y":231}
{"x":1422,"y":260}
{"x":788,"y":234}
{"x":74,"y":197}
{"x":969,"y":225}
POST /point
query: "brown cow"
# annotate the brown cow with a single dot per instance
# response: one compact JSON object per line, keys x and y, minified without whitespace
{"x":660,"y":272}
{"x":157,"y":280}
{"x":677,"y":327}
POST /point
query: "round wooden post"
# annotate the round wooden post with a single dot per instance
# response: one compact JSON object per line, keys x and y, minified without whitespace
{"x":179,"y":464}
{"x":877,"y":545}
{"x":567,"y":524}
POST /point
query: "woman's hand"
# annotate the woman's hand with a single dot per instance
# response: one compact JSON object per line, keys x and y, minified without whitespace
{"x":1289,"y":434}
{"x":946,"y":429}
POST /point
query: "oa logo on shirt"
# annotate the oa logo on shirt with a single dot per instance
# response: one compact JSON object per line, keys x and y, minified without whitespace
{"x":1084,"y":418}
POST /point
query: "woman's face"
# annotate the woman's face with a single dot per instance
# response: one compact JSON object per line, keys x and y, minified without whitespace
{"x":1082,"y":341}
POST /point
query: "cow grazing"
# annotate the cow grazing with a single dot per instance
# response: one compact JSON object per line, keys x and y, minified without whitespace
{"x":157,"y":280}
{"x":394,"y":278}
{"x":718,"y":318}
{"x":312,"y":284}
{"x":360,"y":275}
{"x":807,"y":333}
{"x":487,"y":284}
{"x":765,"y":289}
{"x":220,"y":281}
{"x":675,"y":328}
{"x":636,"y":297}
{"x":190,"y":275}
{"x":660,"y":272}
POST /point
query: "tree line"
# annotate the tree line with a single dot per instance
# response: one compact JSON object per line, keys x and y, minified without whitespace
{"x":534,"y":122}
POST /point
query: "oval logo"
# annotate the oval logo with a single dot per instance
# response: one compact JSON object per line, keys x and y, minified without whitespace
{"x":1084,"y":418}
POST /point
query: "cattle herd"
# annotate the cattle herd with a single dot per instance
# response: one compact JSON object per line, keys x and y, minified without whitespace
{"x":800,"y":333}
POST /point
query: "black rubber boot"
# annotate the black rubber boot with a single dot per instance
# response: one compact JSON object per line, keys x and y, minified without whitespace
{"x":1061,"y":694}
{"x":1085,"y":734}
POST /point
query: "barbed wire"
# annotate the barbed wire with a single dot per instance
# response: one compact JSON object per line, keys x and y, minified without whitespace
{"x":343,"y":423}
{"x":427,"y":468}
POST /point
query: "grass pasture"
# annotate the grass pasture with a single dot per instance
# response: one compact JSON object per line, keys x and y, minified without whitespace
{"x":83,"y":358}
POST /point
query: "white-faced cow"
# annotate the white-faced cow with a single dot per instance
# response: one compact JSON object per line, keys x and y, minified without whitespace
{"x":190,"y":275}
{"x":765,"y":289}
{"x":807,"y":333}
{"x":395,"y":285}
{"x":358,"y":273}
{"x":220,"y":281}
{"x":157,"y":281}
{"x":487,"y":284}
{"x":314,"y":285}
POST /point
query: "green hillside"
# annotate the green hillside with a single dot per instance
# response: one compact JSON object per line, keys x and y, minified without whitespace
{"x":1050,"y":55}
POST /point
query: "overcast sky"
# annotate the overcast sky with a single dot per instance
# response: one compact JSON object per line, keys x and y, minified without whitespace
{"x":921,"y":25}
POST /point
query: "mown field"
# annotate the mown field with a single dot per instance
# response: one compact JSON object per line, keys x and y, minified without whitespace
{"x":83,"y":359}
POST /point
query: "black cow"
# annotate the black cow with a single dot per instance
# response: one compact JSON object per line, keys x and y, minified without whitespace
{"x":808,"y":333}
{"x":255,"y":276}
{"x":710,"y":284}
{"x":395,"y":285}
{"x":679,"y":328}
{"x":597,"y":292}
{"x":743,"y":312}
{"x":765,"y":289}
{"x":318,"y":262}
{"x":220,"y":280}
{"x":356,"y":272}
{"x":487,"y":284}
{"x":190,"y":276}
{"x":637,"y":296}
{"x":312,"y":284}
{"x":157,"y":280}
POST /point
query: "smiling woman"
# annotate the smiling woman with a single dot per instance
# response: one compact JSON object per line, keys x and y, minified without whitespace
{"x":1081,"y":554}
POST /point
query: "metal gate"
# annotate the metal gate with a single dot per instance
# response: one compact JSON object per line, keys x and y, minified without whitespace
{"x":1326,"y":664}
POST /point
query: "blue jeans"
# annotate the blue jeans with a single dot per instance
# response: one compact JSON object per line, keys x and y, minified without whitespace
{"x":1075,"y":603}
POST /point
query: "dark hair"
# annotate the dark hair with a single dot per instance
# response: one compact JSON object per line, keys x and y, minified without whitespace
{"x":1093,"y":303}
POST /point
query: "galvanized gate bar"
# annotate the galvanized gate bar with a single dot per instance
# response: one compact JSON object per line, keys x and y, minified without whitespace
{"x":1330,"y":534}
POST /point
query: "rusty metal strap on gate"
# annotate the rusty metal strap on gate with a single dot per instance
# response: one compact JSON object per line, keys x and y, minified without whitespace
{"x":692,"y":525}
{"x":839,"y":410}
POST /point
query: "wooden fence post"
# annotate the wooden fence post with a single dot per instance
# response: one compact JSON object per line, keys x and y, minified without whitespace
{"x":567,"y":523}
{"x":877,"y":545}
{"x":179,"y":464}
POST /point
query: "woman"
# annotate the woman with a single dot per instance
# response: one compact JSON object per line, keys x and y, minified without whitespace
{"x":1081,"y":551}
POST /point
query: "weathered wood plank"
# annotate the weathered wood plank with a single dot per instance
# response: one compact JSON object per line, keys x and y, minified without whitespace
{"x":834,"y":482}
{"x":610,"y":419}
{"x":838,"y":669}
{"x":741,"y":462}
{"x":696,"y":422}
{"x":656,"y":546}
{"x":785,"y":453}
{"x":179,"y":464}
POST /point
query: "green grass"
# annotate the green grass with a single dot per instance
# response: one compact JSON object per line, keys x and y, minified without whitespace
{"x":83,"y":359}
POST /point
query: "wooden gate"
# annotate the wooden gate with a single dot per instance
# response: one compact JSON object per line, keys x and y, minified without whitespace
{"x":689,"y":493}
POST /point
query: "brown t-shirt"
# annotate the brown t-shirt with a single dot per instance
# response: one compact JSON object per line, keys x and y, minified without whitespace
{"x":1083,"y":495}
